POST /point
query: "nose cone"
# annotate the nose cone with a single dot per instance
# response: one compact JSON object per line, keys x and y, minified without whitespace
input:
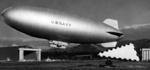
{"x":13,"y":16}
{"x":6,"y":15}
{"x":3,"y":14}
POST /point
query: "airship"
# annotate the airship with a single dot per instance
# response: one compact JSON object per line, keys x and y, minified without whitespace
{"x":59,"y":27}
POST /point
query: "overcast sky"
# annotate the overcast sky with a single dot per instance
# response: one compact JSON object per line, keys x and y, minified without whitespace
{"x":127,"y":12}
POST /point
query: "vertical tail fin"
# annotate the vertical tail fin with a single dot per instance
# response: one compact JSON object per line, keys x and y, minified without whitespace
{"x":111,"y":22}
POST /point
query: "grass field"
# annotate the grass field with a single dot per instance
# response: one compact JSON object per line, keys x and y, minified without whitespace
{"x":74,"y":65}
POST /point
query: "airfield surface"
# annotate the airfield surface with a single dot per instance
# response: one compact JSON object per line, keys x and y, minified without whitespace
{"x":75,"y":65}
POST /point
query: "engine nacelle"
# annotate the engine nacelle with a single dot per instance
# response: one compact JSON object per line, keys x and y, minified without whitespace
{"x":58,"y":44}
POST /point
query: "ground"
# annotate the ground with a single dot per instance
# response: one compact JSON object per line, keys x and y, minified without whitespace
{"x":75,"y":65}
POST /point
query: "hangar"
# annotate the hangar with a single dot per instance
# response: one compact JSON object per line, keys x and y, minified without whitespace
{"x":145,"y":54}
{"x":19,"y":53}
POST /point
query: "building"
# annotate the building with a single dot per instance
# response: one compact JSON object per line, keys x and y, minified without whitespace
{"x":37,"y":53}
{"x":146,"y":54}
{"x":14,"y":53}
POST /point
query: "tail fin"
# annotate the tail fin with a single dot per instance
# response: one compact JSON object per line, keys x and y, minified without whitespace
{"x":111,"y":22}
{"x":109,"y":44}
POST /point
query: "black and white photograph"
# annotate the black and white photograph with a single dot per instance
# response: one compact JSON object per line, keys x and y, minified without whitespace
{"x":74,"y":34}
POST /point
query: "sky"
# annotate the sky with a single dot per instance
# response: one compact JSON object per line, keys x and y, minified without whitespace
{"x":127,"y":12}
